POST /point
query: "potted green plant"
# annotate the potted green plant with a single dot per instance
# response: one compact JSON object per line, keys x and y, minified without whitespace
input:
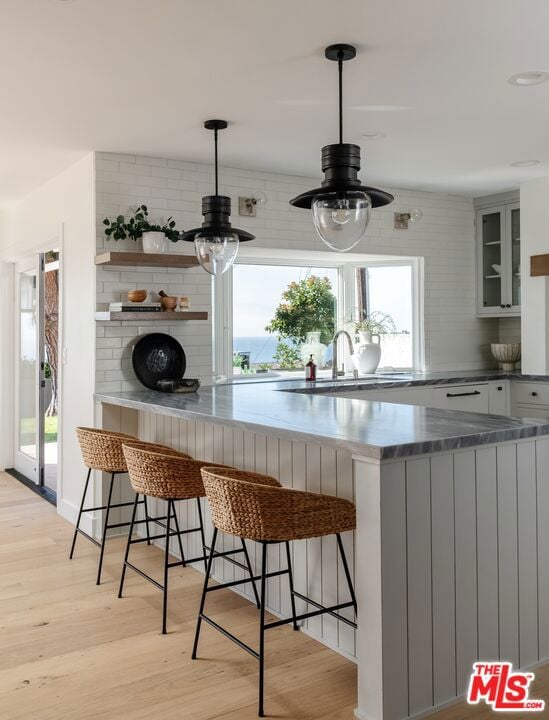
{"x":368,"y":353}
{"x":376,"y":323}
{"x":155,"y":236}
{"x":238,"y":361}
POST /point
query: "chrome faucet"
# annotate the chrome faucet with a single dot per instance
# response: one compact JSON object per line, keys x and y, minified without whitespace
{"x":335,"y":370}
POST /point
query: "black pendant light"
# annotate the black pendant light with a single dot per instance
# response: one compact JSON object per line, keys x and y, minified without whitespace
{"x":216,"y":242}
{"x":341,"y":206}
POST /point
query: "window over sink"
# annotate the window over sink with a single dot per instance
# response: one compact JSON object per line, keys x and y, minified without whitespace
{"x":272,"y":310}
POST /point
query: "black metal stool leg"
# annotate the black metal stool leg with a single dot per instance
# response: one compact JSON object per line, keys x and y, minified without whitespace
{"x":176,"y":525}
{"x":146,"y":509}
{"x":202,"y":534}
{"x":248,"y":563}
{"x":134,"y":512}
{"x":80,"y":514}
{"x":203,"y":598}
{"x":262,"y":629}
{"x":346,"y":569}
{"x":166,"y":568}
{"x":104,"y":538}
{"x":291,"y":583}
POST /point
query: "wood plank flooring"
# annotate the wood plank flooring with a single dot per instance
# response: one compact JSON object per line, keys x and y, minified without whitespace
{"x":71,"y":650}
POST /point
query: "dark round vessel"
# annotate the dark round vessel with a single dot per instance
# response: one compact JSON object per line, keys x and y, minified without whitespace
{"x":158,"y":356}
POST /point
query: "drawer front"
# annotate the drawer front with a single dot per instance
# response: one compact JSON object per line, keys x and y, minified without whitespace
{"x":401,"y":396}
{"x":531,"y":393}
{"x":528,"y":411}
{"x":472,"y":398}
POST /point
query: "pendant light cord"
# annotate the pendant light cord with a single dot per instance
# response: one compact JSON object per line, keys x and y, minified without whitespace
{"x":340,"y":71}
{"x":215,"y":144}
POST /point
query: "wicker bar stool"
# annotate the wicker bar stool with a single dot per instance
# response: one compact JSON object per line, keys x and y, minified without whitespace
{"x":102,"y":450}
{"x":171,"y":478}
{"x":256,"y":507}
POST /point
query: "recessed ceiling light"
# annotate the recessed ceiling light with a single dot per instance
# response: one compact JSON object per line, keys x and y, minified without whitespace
{"x":525,"y":163}
{"x":374,"y":135}
{"x":531,"y":77}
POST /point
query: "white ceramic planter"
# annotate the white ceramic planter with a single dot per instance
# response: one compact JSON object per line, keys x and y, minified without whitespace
{"x":367,"y":353}
{"x":155,"y":242}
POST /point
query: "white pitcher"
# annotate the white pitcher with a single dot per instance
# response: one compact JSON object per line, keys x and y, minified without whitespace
{"x":367,"y":353}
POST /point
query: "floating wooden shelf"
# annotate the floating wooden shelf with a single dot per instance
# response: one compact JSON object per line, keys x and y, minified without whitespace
{"x":539,"y":265}
{"x":146,"y":259}
{"x":166,"y":316}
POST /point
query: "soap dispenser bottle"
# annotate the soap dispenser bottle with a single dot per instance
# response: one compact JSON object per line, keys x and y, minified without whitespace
{"x":310,"y":370}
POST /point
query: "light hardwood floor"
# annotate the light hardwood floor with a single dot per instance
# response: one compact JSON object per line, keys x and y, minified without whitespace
{"x":69,"y":649}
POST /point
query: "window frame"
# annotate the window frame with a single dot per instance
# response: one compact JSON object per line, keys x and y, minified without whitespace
{"x":222,"y":296}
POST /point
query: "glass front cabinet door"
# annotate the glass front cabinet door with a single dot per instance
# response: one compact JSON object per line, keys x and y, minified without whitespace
{"x":498,"y":260}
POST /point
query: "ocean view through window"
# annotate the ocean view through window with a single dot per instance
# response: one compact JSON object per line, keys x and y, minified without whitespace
{"x":276,"y":310}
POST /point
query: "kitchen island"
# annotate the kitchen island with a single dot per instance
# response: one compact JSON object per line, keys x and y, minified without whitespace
{"x":451,"y":552}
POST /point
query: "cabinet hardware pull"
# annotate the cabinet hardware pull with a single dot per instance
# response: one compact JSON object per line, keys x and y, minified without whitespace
{"x":475,"y":392}
{"x":534,"y":394}
{"x":500,"y":388}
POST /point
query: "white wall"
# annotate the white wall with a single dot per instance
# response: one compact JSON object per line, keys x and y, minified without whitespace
{"x":534,"y":224}
{"x":62,"y":211}
{"x":7,"y":359}
{"x":455,"y":338}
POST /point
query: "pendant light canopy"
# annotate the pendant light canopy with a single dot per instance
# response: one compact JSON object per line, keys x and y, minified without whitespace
{"x":216,"y":242}
{"x":341,"y":206}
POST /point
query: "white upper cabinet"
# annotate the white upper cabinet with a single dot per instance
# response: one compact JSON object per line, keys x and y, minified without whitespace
{"x":498,"y":260}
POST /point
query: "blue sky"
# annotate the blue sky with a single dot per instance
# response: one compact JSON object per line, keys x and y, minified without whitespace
{"x":257,"y":291}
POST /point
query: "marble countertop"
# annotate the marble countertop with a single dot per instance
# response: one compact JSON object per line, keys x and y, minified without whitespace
{"x":387,"y":380}
{"x":368,"y":428}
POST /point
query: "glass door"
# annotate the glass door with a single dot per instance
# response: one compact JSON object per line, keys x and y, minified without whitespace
{"x":28,"y":443}
{"x":50,"y":366}
{"x":37,"y":370}
{"x":492,"y":260}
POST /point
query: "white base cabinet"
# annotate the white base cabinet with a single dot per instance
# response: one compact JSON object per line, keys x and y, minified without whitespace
{"x":488,"y":397}
{"x":530,"y":399}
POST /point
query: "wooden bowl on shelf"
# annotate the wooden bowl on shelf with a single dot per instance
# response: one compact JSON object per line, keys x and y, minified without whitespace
{"x":168,"y":302}
{"x":137,"y":296}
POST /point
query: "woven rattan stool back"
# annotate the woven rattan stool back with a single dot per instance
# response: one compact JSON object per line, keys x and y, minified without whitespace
{"x":257,"y":507}
{"x":164,"y":475}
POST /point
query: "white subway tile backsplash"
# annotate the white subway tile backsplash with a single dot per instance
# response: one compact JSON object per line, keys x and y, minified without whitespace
{"x":166,"y":172}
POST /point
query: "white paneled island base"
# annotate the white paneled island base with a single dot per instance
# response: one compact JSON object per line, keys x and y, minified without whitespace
{"x":452,"y":566}
{"x":451,"y":552}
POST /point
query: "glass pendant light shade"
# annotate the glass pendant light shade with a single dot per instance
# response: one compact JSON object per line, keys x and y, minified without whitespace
{"x":216,"y":242}
{"x":341,"y":206}
{"x":341,"y":219}
{"x":216,"y":253}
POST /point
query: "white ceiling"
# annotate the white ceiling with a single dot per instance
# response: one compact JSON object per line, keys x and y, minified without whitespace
{"x":140,"y":76}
